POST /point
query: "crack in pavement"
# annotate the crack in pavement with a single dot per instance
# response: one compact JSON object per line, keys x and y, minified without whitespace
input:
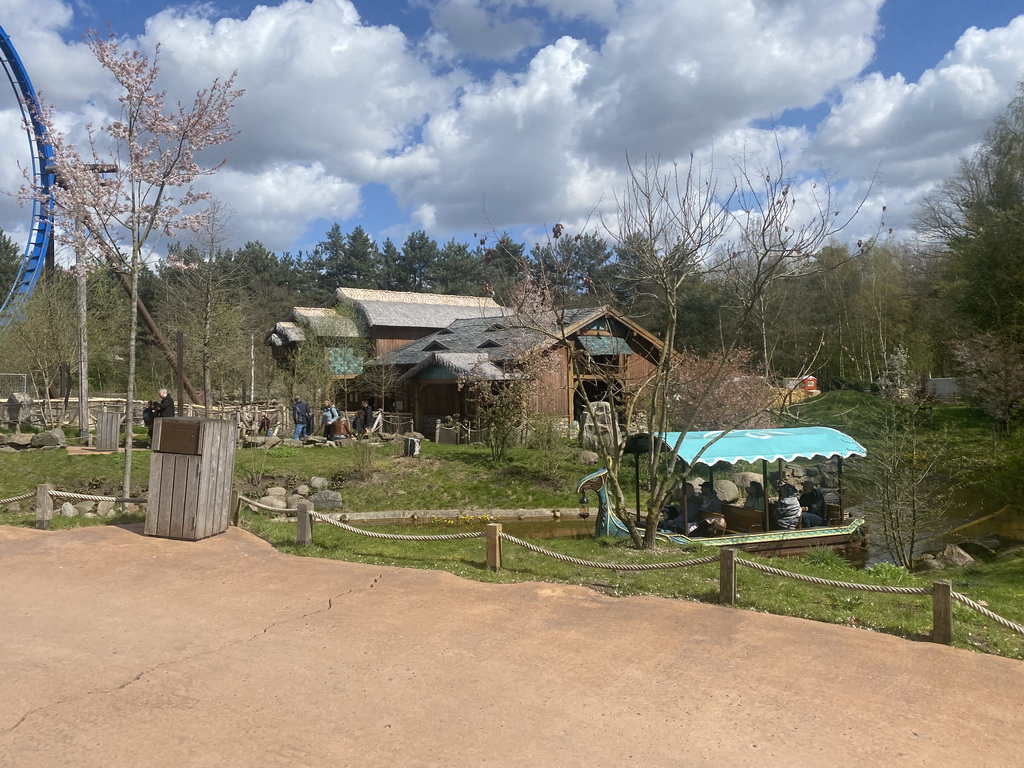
{"x":190,"y":657}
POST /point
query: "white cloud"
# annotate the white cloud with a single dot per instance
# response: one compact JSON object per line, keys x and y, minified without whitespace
{"x":333,"y":103}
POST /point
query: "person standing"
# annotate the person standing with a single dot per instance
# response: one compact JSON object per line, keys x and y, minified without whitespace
{"x":161,"y":408}
{"x":300,"y":415}
{"x":328,"y":418}
{"x":364,"y":419}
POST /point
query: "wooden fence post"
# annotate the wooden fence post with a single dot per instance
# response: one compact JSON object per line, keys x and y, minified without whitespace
{"x":494,"y":546}
{"x":942,"y":612}
{"x":304,"y":531}
{"x":44,"y":506}
{"x":235,"y":506}
{"x":727,"y":576}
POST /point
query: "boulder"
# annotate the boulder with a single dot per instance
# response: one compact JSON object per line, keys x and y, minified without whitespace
{"x":954,"y":556}
{"x":253,"y":441}
{"x":315,"y":440}
{"x":49,"y":438}
{"x":271,"y":442}
{"x":105,"y":508}
{"x":727,"y":491}
{"x":744,"y":479}
{"x":293,"y":500}
{"x":318,"y":482}
{"x":977,"y":549}
{"x":414,"y":434}
{"x":19,"y":440}
{"x":276,"y":490}
{"x":7,"y":449}
{"x":588,"y":458}
{"x":274,"y":502}
{"x":85,"y":507}
{"x":302,"y":490}
{"x":3,"y":439}
{"x":326,"y":500}
{"x":795,"y":470}
{"x":928,"y":563}
{"x":67,"y":509}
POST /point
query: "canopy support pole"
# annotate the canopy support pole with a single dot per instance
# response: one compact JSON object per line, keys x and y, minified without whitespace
{"x":636,"y":466}
{"x":842,"y":514}
{"x":764,"y":491}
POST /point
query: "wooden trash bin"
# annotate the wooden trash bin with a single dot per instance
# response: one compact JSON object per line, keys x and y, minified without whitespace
{"x":190,"y":475}
{"x":108,"y":431}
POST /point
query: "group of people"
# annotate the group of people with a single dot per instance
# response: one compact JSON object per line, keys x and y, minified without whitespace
{"x":700,"y":514}
{"x":334,"y":424}
{"x":793,"y":509}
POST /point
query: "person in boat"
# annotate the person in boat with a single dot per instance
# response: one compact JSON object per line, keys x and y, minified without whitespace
{"x":755,"y":497}
{"x":785,"y":515}
{"x":812,"y":505}
{"x":710,"y":504}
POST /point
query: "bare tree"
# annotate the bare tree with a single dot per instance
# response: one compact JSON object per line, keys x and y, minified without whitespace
{"x":153,"y":147}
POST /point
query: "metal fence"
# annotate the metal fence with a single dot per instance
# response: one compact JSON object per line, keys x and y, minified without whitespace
{"x":11,"y":383}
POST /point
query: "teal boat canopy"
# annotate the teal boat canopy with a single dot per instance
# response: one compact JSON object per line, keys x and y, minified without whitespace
{"x":752,"y":445}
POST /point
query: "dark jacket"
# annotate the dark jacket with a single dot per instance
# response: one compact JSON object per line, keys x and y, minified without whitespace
{"x":164,"y":407}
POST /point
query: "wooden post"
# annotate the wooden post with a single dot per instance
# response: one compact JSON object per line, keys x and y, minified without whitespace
{"x":304,"y":532}
{"x":942,"y":612}
{"x":236,"y":506}
{"x":44,"y":506}
{"x":727,"y":576}
{"x":494,"y":546}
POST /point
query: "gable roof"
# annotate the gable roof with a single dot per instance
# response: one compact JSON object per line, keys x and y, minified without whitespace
{"x":323,"y":323}
{"x":417,"y":310}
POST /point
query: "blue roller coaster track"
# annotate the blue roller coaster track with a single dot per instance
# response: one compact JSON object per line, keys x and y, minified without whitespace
{"x":34,"y":260}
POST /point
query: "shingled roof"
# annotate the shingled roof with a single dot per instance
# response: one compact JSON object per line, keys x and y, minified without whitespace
{"x":416,"y":310}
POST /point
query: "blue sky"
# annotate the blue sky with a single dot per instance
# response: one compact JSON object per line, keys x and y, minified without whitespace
{"x":463,"y":116}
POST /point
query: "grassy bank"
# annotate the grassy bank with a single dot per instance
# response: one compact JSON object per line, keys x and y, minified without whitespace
{"x":997,"y":583}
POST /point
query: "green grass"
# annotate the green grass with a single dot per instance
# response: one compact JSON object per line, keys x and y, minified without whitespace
{"x":997,"y":583}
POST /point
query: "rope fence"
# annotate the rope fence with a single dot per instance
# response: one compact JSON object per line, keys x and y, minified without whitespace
{"x":940,"y":592}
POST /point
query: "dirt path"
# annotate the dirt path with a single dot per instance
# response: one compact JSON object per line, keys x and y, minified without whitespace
{"x":122,"y":650}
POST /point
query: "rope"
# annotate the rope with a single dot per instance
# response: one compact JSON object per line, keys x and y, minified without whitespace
{"x":88,"y":497}
{"x":397,"y":536}
{"x":830,"y":583}
{"x":608,"y":566}
{"x":986,"y":612}
{"x":267,"y":507}
{"x":13,"y":499}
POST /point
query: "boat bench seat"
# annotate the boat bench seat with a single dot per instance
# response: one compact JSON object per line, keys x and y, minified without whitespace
{"x":742,"y":520}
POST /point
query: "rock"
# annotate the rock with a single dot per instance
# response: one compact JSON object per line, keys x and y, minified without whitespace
{"x":275,"y":502}
{"x":90,"y":514}
{"x":318,"y":482}
{"x":302,"y":490}
{"x":977,"y":549}
{"x":271,"y":442}
{"x":315,"y":440}
{"x":105,"y":508}
{"x":744,"y":479}
{"x":67,"y":509}
{"x":19,"y":440}
{"x":276,"y":490}
{"x":85,"y":507}
{"x":928,"y":563}
{"x":588,"y":458}
{"x":293,"y":500}
{"x":1012,"y":552}
{"x":956,"y":557}
{"x":50,"y":438}
{"x":129,"y":508}
{"x":411,"y":433}
{"x":727,"y":491}
{"x":3,"y":439}
{"x":326,"y":500}
{"x":795,"y":470}
{"x":253,"y":441}
{"x":290,"y":442}
{"x":13,"y":509}
{"x":7,"y":449}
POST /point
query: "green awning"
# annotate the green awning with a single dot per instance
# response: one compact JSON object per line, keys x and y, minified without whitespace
{"x":599,"y":346}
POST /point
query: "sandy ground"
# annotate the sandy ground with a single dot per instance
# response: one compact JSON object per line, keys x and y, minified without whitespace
{"x":122,"y":650}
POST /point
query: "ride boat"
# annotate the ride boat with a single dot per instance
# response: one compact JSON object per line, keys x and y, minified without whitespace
{"x":749,"y":529}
